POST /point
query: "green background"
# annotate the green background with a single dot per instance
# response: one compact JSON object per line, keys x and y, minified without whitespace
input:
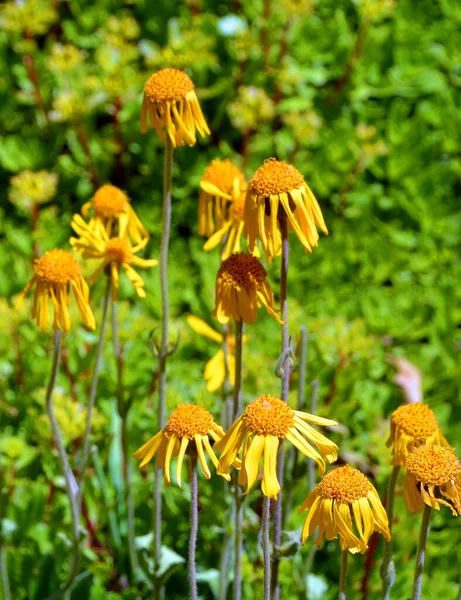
{"x":364,"y":99}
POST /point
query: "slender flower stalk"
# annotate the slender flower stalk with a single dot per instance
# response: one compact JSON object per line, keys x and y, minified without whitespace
{"x":343,"y":575}
{"x":93,"y":389}
{"x":71,"y":486}
{"x":4,"y":580}
{"x":238,"y":508}
{"x":266,"y":541}
{"x":164,"y":245}
{"x":123,"y":409}
{"x":193,"y":527}
{"x":388,"y":567}
{"x":285,"y":368}
{"x":421,"y":553}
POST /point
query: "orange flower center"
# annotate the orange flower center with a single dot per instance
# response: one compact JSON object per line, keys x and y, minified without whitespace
{"x":188,"y":420}
{"x":109,"y":201}
{"x":416,"y":420}
{"x":268,"y":415}
{"x":57,"y":267}
{"x":345,"y":485}
{"x":275,"y":177}
{"x":242,"y":270}
{"x":223,"y":174}
{"x":433,"y":465}
{"x":118,"y":250}
{"x":168,"y":85}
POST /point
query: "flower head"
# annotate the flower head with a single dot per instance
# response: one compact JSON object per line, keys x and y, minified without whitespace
{"x":29,"y":188}
{"x":221,"y":183}
{"x":279,"y":188}
{"x":413,"y":425}
{"x":188,"y":424}
{"x":114,"y":252}
{"x":264,"y":423}
{"x":241,"y":288}
{"x":433,"y":471}
{"x":343,"y":497}
{"x":110,"y":207}
{"x":56,"y":272}
{"x":215,"y":369}
{"x":171,"y":101}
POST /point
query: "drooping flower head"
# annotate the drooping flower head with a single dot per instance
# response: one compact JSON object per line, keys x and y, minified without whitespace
{"x":188,"y":428}
{"x":433,"y":471}
{"x":265,"y":423}
{"x":114,"y":253}
{"x":215,"y":369}
{"x":56,"y":272}
{"x":241,"y":288}
{"x":343,"y":498}
{"x":222,"y":182}
{"x":413,"y":425}
{"x":171,"y":102}
{"x":110,"y":207}
{"x":275,"y":189}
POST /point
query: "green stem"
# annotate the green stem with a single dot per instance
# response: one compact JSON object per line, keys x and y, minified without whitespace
{"x":123,"y":409}
{"x":293,"y":453}
{"x":313,"y":411}
{"x":421,"y":553}
{"x":93,"y":390}
{"x":3,"y":566}
{"x":228,"y":542}
{"x":343,"y":575}
{"x":165,"y":241}
{"x":193,"y":527}
{"x":388,"y":567}
{"x":265,"y":531}
{"x":238,"y":504}
{"x":71,"y":485}
{"x":286,"y":371}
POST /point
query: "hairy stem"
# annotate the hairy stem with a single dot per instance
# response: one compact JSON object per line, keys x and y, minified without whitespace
{"x":93,"y":390}
{"x":286,"y":371}
{"x":71,"y":485}
{"x":236,"y":410}
{"x":193,"y":527}
{"x":165,"y":241}
{"x":421,"y":553}
{"x":343,"y":575}
{"x":387,"y":567}
{"x":265,"y":530}
{"x":123,"y":409}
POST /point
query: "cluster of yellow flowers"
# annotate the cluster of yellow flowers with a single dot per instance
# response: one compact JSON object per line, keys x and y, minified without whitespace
{"x":345,"y":503}
{"x":113,"y":235}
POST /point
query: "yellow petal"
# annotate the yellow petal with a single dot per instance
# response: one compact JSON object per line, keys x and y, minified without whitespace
{"x":204,"y":329}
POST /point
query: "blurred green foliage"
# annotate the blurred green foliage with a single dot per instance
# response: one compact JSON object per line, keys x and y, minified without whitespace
{"x":364,"y":98}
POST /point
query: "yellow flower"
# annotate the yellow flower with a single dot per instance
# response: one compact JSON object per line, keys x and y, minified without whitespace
{"x":109,"y":207}
{"x":264,"y":424}
{"x":241,"y":288}
{"x":188,"y":423}
{"x":277,"y":186}
{"x":215,"y":369}
{"x":221,"y":183}
{"x":433,"y":471}
{"x":342,"y":497}
{"x":55,"y":273}
{"x":171,"y":101}
{"x":29,"y":188}
{"x":413,"y":425}
{"x":115,"y":252}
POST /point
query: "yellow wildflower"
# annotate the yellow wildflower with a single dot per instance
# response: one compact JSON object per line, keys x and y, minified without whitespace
{"x":264,"y":424}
